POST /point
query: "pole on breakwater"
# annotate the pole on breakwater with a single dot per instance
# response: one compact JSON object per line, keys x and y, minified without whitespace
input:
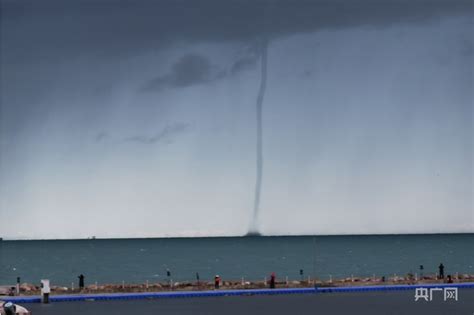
{"x":45,"y":291}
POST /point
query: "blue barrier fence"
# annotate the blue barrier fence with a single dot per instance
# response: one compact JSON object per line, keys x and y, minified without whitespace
{"x":191,"y":294}
{"x":466,"y":285}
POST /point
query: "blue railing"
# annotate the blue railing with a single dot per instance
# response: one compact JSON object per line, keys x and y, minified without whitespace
{"x":191,"y":294}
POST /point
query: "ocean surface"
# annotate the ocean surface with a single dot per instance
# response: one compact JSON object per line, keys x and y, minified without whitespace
{"x":253,"y":258}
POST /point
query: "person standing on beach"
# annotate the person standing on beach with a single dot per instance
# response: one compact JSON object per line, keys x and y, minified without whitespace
{"x":170,"y":282}
{"x":217,"y":282}
{"x":81,"y":281}
{"x":441,"y":271}
{"x":272,"y":281}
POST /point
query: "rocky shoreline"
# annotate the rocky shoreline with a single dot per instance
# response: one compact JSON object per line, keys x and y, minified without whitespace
{"x":31,"y":289}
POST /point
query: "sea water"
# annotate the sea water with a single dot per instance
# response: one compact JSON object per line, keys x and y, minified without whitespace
{"x":233,"y":258}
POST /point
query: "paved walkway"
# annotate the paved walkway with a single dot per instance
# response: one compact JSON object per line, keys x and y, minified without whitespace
{"x":366,"y":303}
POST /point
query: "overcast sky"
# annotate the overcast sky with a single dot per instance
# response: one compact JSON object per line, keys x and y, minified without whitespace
{"x":138,"y":118}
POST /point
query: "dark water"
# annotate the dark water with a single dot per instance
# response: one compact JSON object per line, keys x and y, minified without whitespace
{"x":135,"y":261}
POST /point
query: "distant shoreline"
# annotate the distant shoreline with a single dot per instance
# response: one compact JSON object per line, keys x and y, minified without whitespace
{"x":93,"y":238}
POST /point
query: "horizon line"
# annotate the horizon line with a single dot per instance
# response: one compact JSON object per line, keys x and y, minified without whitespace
{"x":94,"y":238}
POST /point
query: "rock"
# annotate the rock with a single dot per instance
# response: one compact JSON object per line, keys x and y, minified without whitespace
{"x":26,"y":287}
{"x":59,"y":289}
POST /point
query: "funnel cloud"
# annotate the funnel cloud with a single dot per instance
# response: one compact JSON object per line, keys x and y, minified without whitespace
{"x":259,"y":111}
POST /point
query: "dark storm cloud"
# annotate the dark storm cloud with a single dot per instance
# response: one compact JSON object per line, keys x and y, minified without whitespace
{"x":101,"y":136}
{"x":193,"y":69}
{"x":189,"y":70}
{"x":57,"y":28}
{"x":249,"y":58}
{"x":165,"y":134}
{"x":244,"y":63}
